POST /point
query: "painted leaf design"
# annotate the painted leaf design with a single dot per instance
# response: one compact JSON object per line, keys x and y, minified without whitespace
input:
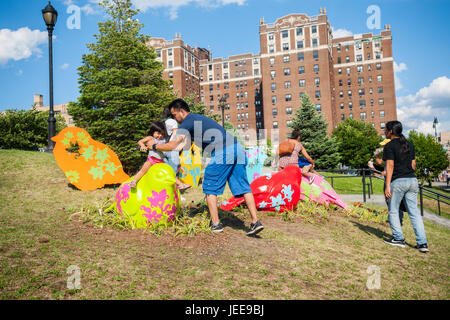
{"x":111,"y":168}
{"x":102,"y":155}
{"x":72,"y":176}
{"x":96,"y":172}
{"x":88,"y":153}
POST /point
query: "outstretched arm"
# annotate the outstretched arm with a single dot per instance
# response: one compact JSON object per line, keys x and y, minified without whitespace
{"x":306,"y":155}
{"x":169,"y":146}
{"x":143,"y":143}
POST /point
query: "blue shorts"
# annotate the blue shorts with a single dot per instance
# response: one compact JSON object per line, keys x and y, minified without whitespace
{"x":232,"y":170}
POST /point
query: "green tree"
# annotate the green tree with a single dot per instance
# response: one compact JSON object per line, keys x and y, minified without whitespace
{"x":121,"y":86}
{"x":26,"y":129}
{"x":431,"y":159}
{"x":323,"y":149}
{"x":357,"y":142}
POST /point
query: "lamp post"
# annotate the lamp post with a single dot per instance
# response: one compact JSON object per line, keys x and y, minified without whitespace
{"x":50,"y":15}
{"x":435,"y":123}
{"x":222,"y":105}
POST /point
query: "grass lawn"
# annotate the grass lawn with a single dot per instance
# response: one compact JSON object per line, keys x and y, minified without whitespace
{"x":326,"y":258}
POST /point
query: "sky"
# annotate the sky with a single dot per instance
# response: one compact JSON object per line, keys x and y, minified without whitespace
{"x":228,"y":27}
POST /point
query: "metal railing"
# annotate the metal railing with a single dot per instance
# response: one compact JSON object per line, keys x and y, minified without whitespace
{"x":367,"y":184}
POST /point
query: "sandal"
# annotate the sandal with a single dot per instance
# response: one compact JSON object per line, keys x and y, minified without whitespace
{"x":183,"y":186}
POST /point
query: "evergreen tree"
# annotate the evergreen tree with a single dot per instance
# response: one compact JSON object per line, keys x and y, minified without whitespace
{"x":121,"y":85}
{"x":431,"y":159}
{"x":357,"y":142}
{"x":323,"y":149}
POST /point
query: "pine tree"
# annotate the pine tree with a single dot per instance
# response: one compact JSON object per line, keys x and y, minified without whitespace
{"x":121,"y":85}
{"x":323,"y":149}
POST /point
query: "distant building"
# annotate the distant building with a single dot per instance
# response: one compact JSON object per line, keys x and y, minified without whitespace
{"x":348,"y":77}
{"x":38,"y":103}
{"x":444,"y":140}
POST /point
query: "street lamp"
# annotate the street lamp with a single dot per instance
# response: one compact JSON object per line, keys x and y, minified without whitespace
{"x":50,"y":16}
{"x":435,"y":123}
{"x":222,"y":105}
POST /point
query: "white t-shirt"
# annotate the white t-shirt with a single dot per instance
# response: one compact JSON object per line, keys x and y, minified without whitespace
{"x":170,"y":125}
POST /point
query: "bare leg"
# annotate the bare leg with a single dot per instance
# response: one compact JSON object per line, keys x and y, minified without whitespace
{"x":250,"y":201}
{"x":211,"y":201}
{"x":141,"y":172}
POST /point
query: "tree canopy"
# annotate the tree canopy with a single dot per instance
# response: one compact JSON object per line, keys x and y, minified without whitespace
{"x":121,"y":86}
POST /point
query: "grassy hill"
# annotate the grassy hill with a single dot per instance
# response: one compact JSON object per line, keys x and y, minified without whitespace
{"x":291,"y":259}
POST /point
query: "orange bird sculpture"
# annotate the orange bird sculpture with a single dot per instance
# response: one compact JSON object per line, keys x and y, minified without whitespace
{"x":87,"y":164}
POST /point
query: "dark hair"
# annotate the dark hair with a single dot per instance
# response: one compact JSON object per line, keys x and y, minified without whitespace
{"x":166,"y":114}
{"x":397,"y":129}
{"x":158,"y":126}
{"x":295,"y":134}
{"x":178,"y":104}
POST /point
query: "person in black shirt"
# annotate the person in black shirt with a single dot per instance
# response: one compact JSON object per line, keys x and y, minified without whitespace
{"x":401,"y":182}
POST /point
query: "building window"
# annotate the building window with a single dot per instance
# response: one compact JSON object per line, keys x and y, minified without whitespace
{"x":274,"y":99}
{"x":314,"y":29}
{"x":169,"y":52}
{"x":314,"y":42}
{"x":359,"y":57}
{"x":316,"y":55}
{"x":378,"y":66}
{"x":316,"y":68}
{"x":350,"y":105}
{"x":349,"y":81}
{"x":170,"y":63}
{"x":362,"y":103}
{"x":340,"y":82}
{"x":348,"y":71}
{"x":287,"y":71}
{"x":342,"y":106}
{"x":300,"y":44}
{"x":170,"y":75}
{"x":288,"y":123}
{"x":371,"y":102}
{"x":340,"y":71}
{"x":372,"y":114}
{"x":286,"y":59}
{"x":285,"y":46}
{"x":271,"y":48}
{"x":380,"y":89}
{"x":349,"y":93}
{"x":272,"y":74}
{"x":225,"y":75}
{"x":272,"y":61}
{"x":301,"y":70}
{"x":318,"y":107}
{"x":382,"y":125}
{"x":350,"y":115}
{"x":342,"y":116}
{"x":288,"y":110}
{"x":379,"y":78}
{"x":317,"y":94}
{"x":299,"y":31}
{"x":359,"y":69}
{"x":270,"y":36}
{"x":275,"y":125}
{"x":341,"y":94}
{"x":211,"y":87}
{"x":288,"y":97}
{"x":347,"y":59}
{"x":362,"y":115}
{"x":381,"y":101}
{"x":302,"y":83}
{"x":287,"y":84}
{"x":361,"y":81}
{"x":273,"y":86}
{"x":285,"y":34}
{"x":382,"y":114}
{"x":339,"y":60}
{"x":338,"y":48}
{"x":317,"y":81}
{"x":300,"y":57}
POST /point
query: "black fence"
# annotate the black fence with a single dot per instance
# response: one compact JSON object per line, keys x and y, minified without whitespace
{"x":368,"y":174}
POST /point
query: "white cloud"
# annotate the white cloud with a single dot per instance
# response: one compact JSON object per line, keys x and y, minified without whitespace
{"x":341,"y":33}
{"x":64,"y":66}
{"x":417,"y":111}
{"x":174,"y":5}
{"x":397,"y":69}
{"x":19,"y":73}
{"x":20,"y":44}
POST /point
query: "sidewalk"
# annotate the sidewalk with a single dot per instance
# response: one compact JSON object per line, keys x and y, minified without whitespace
{"x":378,"y":199}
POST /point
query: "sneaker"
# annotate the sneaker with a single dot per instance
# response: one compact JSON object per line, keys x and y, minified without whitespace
{"x":216,"y":227}
{"x":255,"y":228}
{"x":311,"y":179}
{"x":422,"y":247}
{"x":393,"y":242}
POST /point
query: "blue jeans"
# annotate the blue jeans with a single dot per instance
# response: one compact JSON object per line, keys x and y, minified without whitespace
{"x":172,"y":158}
{"x":407,"y":188}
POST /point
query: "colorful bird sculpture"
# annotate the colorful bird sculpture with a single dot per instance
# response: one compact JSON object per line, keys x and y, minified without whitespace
{"x":155,"y":200}
{"x":87,"y":164}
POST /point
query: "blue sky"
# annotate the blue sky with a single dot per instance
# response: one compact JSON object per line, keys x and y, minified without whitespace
{"x":228,"y":27}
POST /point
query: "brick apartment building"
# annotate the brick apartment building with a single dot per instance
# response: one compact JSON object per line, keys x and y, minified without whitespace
{"x":350,"y":77}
